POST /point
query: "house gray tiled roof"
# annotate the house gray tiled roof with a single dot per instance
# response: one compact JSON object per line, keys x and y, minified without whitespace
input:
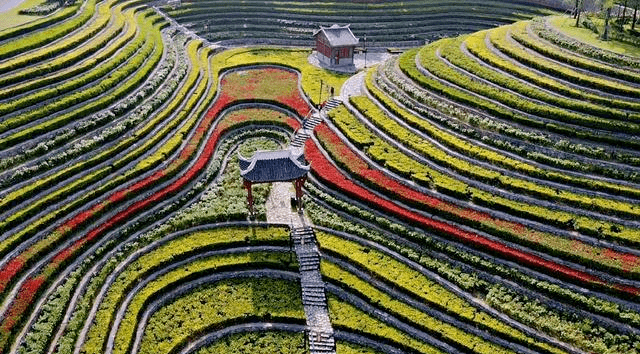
{"x":272,"y":166}
{"x":338,"y":36}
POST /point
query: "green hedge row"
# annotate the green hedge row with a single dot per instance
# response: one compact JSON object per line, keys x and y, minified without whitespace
{"x":395,"y":130}
{"x":97,"y":50}
{"x":139,"y":59}
{"x":165,"y":255}
{"x":466,"y":280}
{"x":428,"y":57}
{"x":452,"y":52}
{"x":520,"y":34}
{"x":480,"y":153}
{"x":142,"y":132}
{"x":476,"y":44}
{"x":409,"y":68}
{"x":428,"y":292}
{"x":40,"y":38}
{"x":546,"y":242}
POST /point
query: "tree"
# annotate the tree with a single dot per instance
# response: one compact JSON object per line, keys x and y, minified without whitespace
{"x":576,"y":11}
{"x":607,"y":5}
{"x":635,"y":4}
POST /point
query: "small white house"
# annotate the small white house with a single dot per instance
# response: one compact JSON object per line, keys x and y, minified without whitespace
{"x":335,"y":45}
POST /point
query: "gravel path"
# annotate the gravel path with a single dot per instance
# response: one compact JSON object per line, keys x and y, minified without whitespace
{"x":278,"y":206}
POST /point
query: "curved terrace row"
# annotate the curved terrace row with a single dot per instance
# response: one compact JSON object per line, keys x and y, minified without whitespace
{"x":469,"y":201}
{"x":397,"y":24}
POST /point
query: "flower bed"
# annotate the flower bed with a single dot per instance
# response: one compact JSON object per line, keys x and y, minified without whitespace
{"x":32,"y":285}
{"x":461,"y":190}
{"x":330,"y":175}
{"x":408,"y":66}
{"x":409,"y":281}
{"x":40,"y":38}
{"x":212,"y":306}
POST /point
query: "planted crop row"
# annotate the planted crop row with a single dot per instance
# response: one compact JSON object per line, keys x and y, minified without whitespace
{"x":78,"y":311}
{"x":162,"y":257}
{"x":519,"y":33}
{"x":345,"y":316}
{"x":341,"y":153}
{"x":429,"y":58}
{"x":581,"y":333}
{"x":99,"y":331}
{"x":87,"y":74}
{"x":268,"y":343}
{"x":96,"y":27}
{"x":477,"y":44}
{"x":408,"y":65}
{"x":553,"y":320}
{"x":141,"y":132}
{"x":392,"y":90}
{"x":470,"y":270}
{"x":454,"y":54}
{"x":394,"y":83}
{"x":52,"y":239}
{"x":98,"y":49}
{"x":426,"y":291}
{"x":550,"y":35}
{"x":31,"y":189}
{"x":39,"y":38}
{"x":27,"y":291}
{"x":213,"y":307}
{"x":397,"y":161}
{"x":404,"y":165}
{"x":44,"y":157}
{"x":403,"y":24}
{"x":539,"y":146}
{"x":140,"y":57}
{"x":379,"y":118}
{"x":41,"y":23}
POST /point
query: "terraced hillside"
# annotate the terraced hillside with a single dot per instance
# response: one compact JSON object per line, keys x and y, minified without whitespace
{"x":478,"y":194}
{"x":385,"y":23}
{"x":515,"y":149}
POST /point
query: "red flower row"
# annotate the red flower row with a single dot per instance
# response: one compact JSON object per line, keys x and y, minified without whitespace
{"x":330,"y":175}
{"x":31,"y":286}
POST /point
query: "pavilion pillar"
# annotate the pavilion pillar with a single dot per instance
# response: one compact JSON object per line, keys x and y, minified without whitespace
{"x":299,"y":183}
{"x":247,"y":185}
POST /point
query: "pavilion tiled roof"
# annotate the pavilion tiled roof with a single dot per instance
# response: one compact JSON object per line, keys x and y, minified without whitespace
{"x":338,"y":36}
{"x":273,"y":166}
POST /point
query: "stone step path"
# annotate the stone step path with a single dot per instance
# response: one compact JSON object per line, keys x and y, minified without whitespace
{"x":314,"y":300}
{"x":300,"y":138}
{"x":331,"y":104}
{"x":319,"y":331}
{"x":312,"y":121}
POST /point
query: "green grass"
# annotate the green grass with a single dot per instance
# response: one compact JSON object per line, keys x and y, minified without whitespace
{"x":567,"y":25}
{"x":12,"y":18}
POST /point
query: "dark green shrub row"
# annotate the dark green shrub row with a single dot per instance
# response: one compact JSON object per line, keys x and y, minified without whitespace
{"x":467,"y":279}
{"x":408,"y":66}
{"x":42,"y":37}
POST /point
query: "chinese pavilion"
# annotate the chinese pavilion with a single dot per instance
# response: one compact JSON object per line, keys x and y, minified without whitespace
{"x":274,"y":166}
